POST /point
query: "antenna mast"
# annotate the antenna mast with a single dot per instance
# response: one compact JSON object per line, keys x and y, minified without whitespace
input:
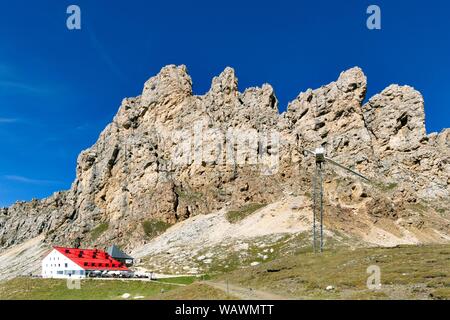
{"x":317,"y":196}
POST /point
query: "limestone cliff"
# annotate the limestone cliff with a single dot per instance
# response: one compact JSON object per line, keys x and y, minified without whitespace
{"x":168,"y":155}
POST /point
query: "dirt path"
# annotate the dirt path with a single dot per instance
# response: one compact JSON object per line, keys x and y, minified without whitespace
{"x":244,"y":293}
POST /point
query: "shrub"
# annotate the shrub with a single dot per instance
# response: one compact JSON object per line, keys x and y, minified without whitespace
{"x":238,"y":215}
{"x":153,"y":228}
{"x":98,"y":230}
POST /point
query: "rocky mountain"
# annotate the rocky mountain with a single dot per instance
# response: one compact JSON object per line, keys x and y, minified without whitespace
{"x":169,"y":155}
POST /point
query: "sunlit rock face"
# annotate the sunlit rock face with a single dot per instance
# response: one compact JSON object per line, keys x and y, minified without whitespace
{"x":169,"y":155}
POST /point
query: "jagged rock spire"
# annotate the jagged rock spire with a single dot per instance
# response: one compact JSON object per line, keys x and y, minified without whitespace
{"x":128,"y":176}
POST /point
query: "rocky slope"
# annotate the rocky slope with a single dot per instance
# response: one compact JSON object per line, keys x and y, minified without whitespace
{"x":169,"y":155}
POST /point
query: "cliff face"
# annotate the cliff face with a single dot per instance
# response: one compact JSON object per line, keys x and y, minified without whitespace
{"x":168,"y":155}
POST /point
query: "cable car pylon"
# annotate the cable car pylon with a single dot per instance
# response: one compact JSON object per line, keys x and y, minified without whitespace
{"x":317,"y":195}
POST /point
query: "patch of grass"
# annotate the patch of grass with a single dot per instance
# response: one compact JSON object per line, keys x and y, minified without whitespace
{"x":56,"y":289}
{"x":189,"y":196}
{"x":179,"y":280}
{"x":439,"y":282}
{"x":369,"y":295}
{"x":195,"y":291}
{"x":237,"y":215}
{"x":419,"y":207}
{"x":391,"y":186}
{"x":441,"y":294}
{"x":153,"y":228}
{"x":385,"y":186}
{"x":98,"y":230}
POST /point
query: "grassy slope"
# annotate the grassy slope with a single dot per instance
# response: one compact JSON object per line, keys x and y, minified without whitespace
{"x":407,"y":272}
{"x":179,"y":280}
{"x":53,"y":289}
{"x":195,"y":291}
{"x":153,"y":228}
{"x":99,"y":230}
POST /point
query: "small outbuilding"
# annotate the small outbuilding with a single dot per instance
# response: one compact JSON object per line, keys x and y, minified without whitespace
{"x":119,"y":255}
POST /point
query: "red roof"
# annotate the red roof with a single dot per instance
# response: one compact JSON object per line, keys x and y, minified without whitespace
{"x":92,"y":259}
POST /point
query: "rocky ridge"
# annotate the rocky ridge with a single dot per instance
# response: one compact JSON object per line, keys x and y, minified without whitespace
{"x":166,"y":157}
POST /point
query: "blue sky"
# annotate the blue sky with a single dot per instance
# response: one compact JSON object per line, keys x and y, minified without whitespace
{"x":59,"y":88}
